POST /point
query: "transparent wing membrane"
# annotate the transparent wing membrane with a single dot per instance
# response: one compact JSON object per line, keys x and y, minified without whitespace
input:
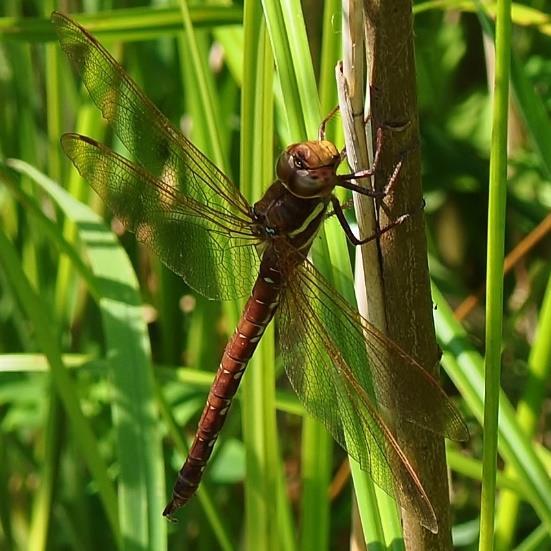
{"x":173,"y":197}
{"x":213,"y":254}
{"x":336,"y":362}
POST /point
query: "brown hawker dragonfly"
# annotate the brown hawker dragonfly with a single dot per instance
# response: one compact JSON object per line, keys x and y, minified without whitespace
{"x":180,"y":204}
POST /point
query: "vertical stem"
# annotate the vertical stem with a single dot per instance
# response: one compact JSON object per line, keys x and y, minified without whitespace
{"x":265,"y":508}
{"x":376,"y":510}
{"x":404,"y":265}
{"x":494,"y":278}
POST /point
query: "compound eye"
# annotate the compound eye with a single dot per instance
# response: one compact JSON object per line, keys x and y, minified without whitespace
{"x":299,"y":162}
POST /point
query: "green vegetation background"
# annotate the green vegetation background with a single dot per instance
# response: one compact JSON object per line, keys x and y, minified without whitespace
{"x":91,"y":432}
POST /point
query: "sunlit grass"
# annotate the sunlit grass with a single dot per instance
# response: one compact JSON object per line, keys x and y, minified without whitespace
{"x":76,"y":470}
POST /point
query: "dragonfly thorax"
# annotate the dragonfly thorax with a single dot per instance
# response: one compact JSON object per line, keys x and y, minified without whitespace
{"x":309,"y":169}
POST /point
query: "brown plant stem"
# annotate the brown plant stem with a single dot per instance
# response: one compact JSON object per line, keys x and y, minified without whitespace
{"x":403,"y":258}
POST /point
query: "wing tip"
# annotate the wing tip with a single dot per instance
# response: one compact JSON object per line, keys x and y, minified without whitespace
{"x":59,"y":19}
{"x":460,"y":432}
{"x":55,"y":16}
{"x":69,"y":138}
{"x":431,"y":524}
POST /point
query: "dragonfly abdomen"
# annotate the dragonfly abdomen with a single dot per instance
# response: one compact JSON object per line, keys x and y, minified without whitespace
{"x":257,"y":314}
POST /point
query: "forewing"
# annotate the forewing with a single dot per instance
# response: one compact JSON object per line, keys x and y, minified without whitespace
{"x":213,"y":252}
{"x":156,"y":144}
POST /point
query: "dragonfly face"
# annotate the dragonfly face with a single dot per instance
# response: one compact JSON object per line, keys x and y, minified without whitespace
{"x":309,"y":169}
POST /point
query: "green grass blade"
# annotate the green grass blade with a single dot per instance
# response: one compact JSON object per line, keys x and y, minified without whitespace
{"x":141,"y":493}
{"x":266,"y":517}
{"x":48,"y":340}
{"x":494,"y":269}
{"x":317,"y":443}
{"x":284,"y":55}
{"x":295,"y":34}
{"x":472,"y":468}
{"x":539,"y":539}
{"x":202,"y":89}
{"x":42,"y":506}
{"x":296,"y":75}
{"x":464,"y":365}
{"x":330,"y":54}
{"x":130,"y":24}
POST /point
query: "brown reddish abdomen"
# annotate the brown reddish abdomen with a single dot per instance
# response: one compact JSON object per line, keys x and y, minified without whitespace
{"x":258,"y":312}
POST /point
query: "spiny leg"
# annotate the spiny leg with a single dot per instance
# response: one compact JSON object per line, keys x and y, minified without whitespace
{"x":332,"y":113}
{"x":399,"y":127}
{"x":368,"y":171}
{"x":339,"y":213}
{"x":370,"y":193}
{"x":375,"y":193}
{"x":344,"y":181}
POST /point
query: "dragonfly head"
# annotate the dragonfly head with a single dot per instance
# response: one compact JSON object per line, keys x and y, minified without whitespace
{"x":309,"y":169}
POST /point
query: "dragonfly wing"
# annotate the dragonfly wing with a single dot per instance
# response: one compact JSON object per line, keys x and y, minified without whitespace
{"x":401,"y":385}
{"x":335,"y":370}
{"x":156,"y":144}
{"x":214,"y":253}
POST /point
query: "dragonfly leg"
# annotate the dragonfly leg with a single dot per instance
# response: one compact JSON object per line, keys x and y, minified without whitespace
{"x":348,"y":204}
{"x":369,"y":192}
{"x":343,"y":178}
{"x":393,"y":177}
{"x":375,"y":193}
{"x":392,"y":127}
{"x":342,"y":154}
{"x":332,"y":113}
{"x":339,"y":213}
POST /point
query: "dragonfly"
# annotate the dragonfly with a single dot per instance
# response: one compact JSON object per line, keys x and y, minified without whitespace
{"x":344,"y":370}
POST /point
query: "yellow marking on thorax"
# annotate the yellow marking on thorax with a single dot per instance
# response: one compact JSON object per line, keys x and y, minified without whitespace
{"x":309,"y":219}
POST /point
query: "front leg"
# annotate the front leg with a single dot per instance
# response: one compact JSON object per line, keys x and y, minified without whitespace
{"x":337,"y":210}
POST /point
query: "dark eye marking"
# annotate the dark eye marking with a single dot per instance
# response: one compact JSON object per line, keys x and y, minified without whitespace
{"x":299,"y":161}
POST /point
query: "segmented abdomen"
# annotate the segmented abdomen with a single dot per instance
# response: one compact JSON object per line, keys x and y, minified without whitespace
{"x":258,"y":312}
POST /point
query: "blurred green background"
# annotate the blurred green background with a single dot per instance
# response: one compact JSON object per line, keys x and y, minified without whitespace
{"x":91,"y":464}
